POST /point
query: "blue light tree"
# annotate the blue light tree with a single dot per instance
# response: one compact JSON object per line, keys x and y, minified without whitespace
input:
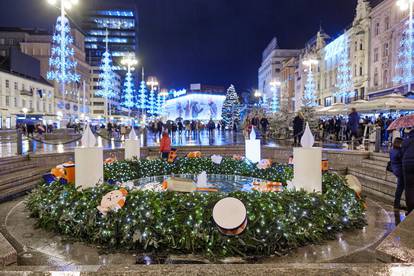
{"x":152,"y":104}
{"x":159,"y":104}
{"x":128,"y":99}
{"x":106,"y":79}
{"x":405,"y":56}
{"x":62,"y":63}
{"x":142,"y":98}
{"x":344,"y":75}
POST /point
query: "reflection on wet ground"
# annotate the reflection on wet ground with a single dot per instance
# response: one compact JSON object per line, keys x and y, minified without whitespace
{"x":8,"y":145}
{"x":39,"y":247}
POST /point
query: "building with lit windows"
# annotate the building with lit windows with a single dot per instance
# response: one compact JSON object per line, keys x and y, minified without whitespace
{"x":37,"y":43}
{"x":120,"y":20}
{"x":25,"y":96}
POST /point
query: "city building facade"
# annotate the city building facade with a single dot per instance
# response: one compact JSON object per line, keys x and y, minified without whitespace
{"x":74,"y":102}
{"x":25,"y":96}
{"x":271,"y":66}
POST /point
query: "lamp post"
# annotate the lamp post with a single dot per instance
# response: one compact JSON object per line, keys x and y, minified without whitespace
{"x":64,"y":5}
{"x":130,"y":62}
{"x":408,"y":5}
{"x":275,"y":87}
{"x":25,"y":110}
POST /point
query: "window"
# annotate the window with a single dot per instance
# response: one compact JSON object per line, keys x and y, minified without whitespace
{"x":328,"y":101}
{"x":385,"y":77}
{"x":16,"y":86}
{"x":7,"y":100}
{"x":50,"y":107}
{"x":7,"y":84}
{"x":30,"y":104}
{"x":23,"y":103}
{"x":362,"y":93}
{"x":376,"y":77}
{"x":376,"y":55}
{"x":387,"y":23}
{"x":377,"y":28}
{"x":360,"y":70}
{"x":15,"y":102}
{"x":386,"y":49}
{"x":361,"y":46}
{"x":2,"y":41}
{"x":356,"y":46}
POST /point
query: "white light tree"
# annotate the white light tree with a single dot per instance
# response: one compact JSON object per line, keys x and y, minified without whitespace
{"x":405,"y":56}
{"x":344,"y":76}
{"x":231,"y":107}
{"x":309,"y":98}
{"x":128,"y":99}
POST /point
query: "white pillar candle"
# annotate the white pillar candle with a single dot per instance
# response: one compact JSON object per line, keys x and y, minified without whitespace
{"x":89,"y":166}
{"x":132,"y":149}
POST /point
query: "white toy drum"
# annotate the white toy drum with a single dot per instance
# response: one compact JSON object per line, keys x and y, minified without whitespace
{"x":230,"y":215}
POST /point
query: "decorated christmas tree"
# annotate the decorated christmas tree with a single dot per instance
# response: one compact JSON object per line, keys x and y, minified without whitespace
{"x":62,"y":64}
{"x":152,"y":104}
{"x":128,"y":99}
{"x":405,"y":56}
{"x":231,"y":107}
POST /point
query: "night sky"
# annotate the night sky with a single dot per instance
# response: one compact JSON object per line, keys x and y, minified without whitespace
{"x":215,"y":42}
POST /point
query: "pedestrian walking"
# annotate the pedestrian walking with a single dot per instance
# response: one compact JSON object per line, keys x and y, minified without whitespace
{"x":408,"y":169}
{"x":396,"y":157}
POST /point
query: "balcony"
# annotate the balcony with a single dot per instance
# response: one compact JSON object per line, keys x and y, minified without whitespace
{"x":26,"y":93}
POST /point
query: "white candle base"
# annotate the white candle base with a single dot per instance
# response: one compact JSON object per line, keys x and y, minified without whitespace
{"x":132,"y":149}
{"x":89,"y":167}
{"x":307,"y":169}
{"x":253,"y":150}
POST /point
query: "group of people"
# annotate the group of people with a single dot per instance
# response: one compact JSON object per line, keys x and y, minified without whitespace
{"x":187,"y":127}
{"x":402,"y":165}
{"x":32,"y":129}
{"x":258,"y":123}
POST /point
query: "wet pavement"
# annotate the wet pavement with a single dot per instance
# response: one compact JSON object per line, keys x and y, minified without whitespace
{"x":39,"y":247}
{"x":8,"y":145}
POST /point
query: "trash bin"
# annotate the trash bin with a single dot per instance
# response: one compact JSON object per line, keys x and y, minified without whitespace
{"x":70,"y":172}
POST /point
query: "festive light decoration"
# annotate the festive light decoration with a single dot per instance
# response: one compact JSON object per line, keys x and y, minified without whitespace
{"x":158,"y":104}
{"x":164,"y":221}
{"x":152,"y":103}
{"x":275,"y":105}
{"x":106,"y":77}
{"x":142,"y":100}
{"x":231,"y":107}
{"x":309,"y":98}
{"x":405,"y":55}
{"x":62,"y":64}
{"x":128,"y":101}
{"x":344,"y":75}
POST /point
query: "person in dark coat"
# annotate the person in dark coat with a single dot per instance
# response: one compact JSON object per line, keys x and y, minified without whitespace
{"x":298,"y":127}
{"x":408,"y":169}
{"x":396,"y":156}
{"x":353,"y":123}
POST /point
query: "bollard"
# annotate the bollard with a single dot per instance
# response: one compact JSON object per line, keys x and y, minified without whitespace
{"x":19,"y":142}
{"x":377,"y":139}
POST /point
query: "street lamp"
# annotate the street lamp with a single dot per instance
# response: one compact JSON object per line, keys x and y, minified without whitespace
{"x":152,"y":82}
{"x":408,"y":5}
{"x":25,"y":110}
